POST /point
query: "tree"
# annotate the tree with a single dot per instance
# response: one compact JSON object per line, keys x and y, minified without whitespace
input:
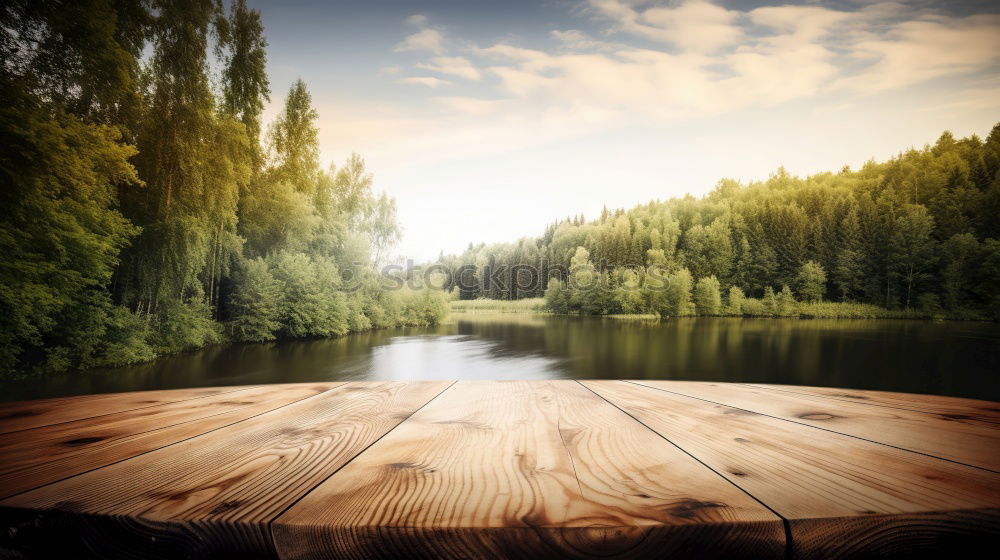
{"x":785,"y":302}
{"x":770,"y":301}
{"x":678,"y":294}
{"x":707,"y":299}
{"x":708,"y":251}
{"x":583,"y":281}
{"x":254,"y":306}
{"x":61,"y":232}
{"x":192,"y":163}
{"x":811,"y":281}
{"x":245,"y":87}
{"x":958,"y":254}
{"x":911,"y":250}
{"x":556,"y":299}
{"x":628,"y":293}
{"x":736,"y":297}
{"x":294,"y":141}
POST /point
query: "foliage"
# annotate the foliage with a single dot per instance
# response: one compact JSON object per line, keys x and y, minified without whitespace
{"x":707,"y":300}
{"x":887,"y":234}
{"x":534,"y":305}
{"x":811,"y":281}
{"x":142,"y":214}
{"x":61,"y":233}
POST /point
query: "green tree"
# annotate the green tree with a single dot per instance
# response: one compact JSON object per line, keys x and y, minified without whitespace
{"x":959,"y":254}
{"x":785,"y":302}
{"x":707,"y":299}
{"x":61,"y":232}
{"x":678,"y":294}
{"x":735,"y":305}
{"x":255,"y":304}
{"x":245,"y":86}
{"x":556,"y":299}
{"x":811,"y":281}
{"x":912,"y":249}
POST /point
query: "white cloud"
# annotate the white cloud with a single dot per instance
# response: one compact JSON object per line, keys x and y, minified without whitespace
{"x":918,"y":51}
{"x":695,"y":25}
{"x":417,"y":19}
{"x":576,"y":39}
{"x":424,"y":40}
{"x":453,"y":65}
{"x":664,"y":98}
{"x":428,"y":81}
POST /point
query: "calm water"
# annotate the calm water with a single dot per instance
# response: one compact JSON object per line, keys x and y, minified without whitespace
{"x":948,"y":358}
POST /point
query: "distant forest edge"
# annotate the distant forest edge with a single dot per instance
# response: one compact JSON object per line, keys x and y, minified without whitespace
{"x":915,"y":236}
{"x":141,"y":213}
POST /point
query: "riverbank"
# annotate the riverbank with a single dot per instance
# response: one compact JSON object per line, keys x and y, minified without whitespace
{"x":756,"y":308}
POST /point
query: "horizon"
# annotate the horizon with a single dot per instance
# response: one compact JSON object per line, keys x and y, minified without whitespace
{"x":499,"y":106}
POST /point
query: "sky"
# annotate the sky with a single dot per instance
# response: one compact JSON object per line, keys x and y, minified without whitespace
{"x":488,"y":120}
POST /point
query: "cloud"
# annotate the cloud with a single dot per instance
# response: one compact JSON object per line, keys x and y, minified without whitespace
{"x":428,"y":81}
{"x":919,"y":51}
{"x":696,"y":25}
{"x":471,"y":105}
{"x":576,"y":39}
{"x":424,"y":40}
{"x":671,"y":63}
{"x":417,"y":19}
{"x":453,"y":65}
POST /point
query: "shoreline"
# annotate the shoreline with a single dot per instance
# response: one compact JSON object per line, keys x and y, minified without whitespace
{"x":803,"y":311}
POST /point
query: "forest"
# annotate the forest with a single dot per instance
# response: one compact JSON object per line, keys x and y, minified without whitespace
{"x":915,"y":236}
{"x":147,"y":211}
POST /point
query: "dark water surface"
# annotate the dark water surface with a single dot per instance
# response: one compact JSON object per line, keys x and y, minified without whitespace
{"x":947,"y":358}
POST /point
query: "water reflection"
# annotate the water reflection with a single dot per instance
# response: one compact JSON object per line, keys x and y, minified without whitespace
{"x":949,"y":358}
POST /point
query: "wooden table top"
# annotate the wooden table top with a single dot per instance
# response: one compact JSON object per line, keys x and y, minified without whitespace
{"x":499,"y":469}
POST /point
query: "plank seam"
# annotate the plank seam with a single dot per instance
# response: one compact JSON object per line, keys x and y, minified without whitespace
{"x":636,"y":383}
{"x":241,"y":388}
{"x":787,"y":526}
{"x":273,"y":518}
{"x":767,"y":387}
{"x":174,"y":443}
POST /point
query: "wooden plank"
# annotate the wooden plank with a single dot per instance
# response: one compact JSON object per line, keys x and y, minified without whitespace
{"x":25,"y":415}
{"x":816,"y":479}
{"x":525,"y":469}
{"x":953,"y":408}
{"x":40,"y":456}
{"x":213,"y":495}
{"x":970,"y":443}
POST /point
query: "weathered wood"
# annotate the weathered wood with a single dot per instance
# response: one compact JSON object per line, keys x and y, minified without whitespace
{"x":24,"y":415}
{"x":817,"y":478}
{"x":954,"y":408}
{"x":971,"y":443}
{"x":525,"y":469}
{"x":39,"y":456}
{"x":215,"y":494}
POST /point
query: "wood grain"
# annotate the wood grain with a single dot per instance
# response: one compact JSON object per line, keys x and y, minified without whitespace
{"x":953,"y":408}
{"x":39,"y":456}
{"x":24,"y":415}
{"x":505,"y":469}
{"x":808,"y":475}
{"x":971,"y":443}
{"x":214,"y":495}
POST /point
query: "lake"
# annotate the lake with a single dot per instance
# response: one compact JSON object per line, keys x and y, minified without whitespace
{"x":946,"y":358}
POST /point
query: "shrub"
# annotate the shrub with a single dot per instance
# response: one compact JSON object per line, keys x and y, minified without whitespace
{"x":707,"y":300}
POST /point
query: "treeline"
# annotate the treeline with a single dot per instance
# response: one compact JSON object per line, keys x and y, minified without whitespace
{"x":142,"y":214}
{"x":919,"y":232}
